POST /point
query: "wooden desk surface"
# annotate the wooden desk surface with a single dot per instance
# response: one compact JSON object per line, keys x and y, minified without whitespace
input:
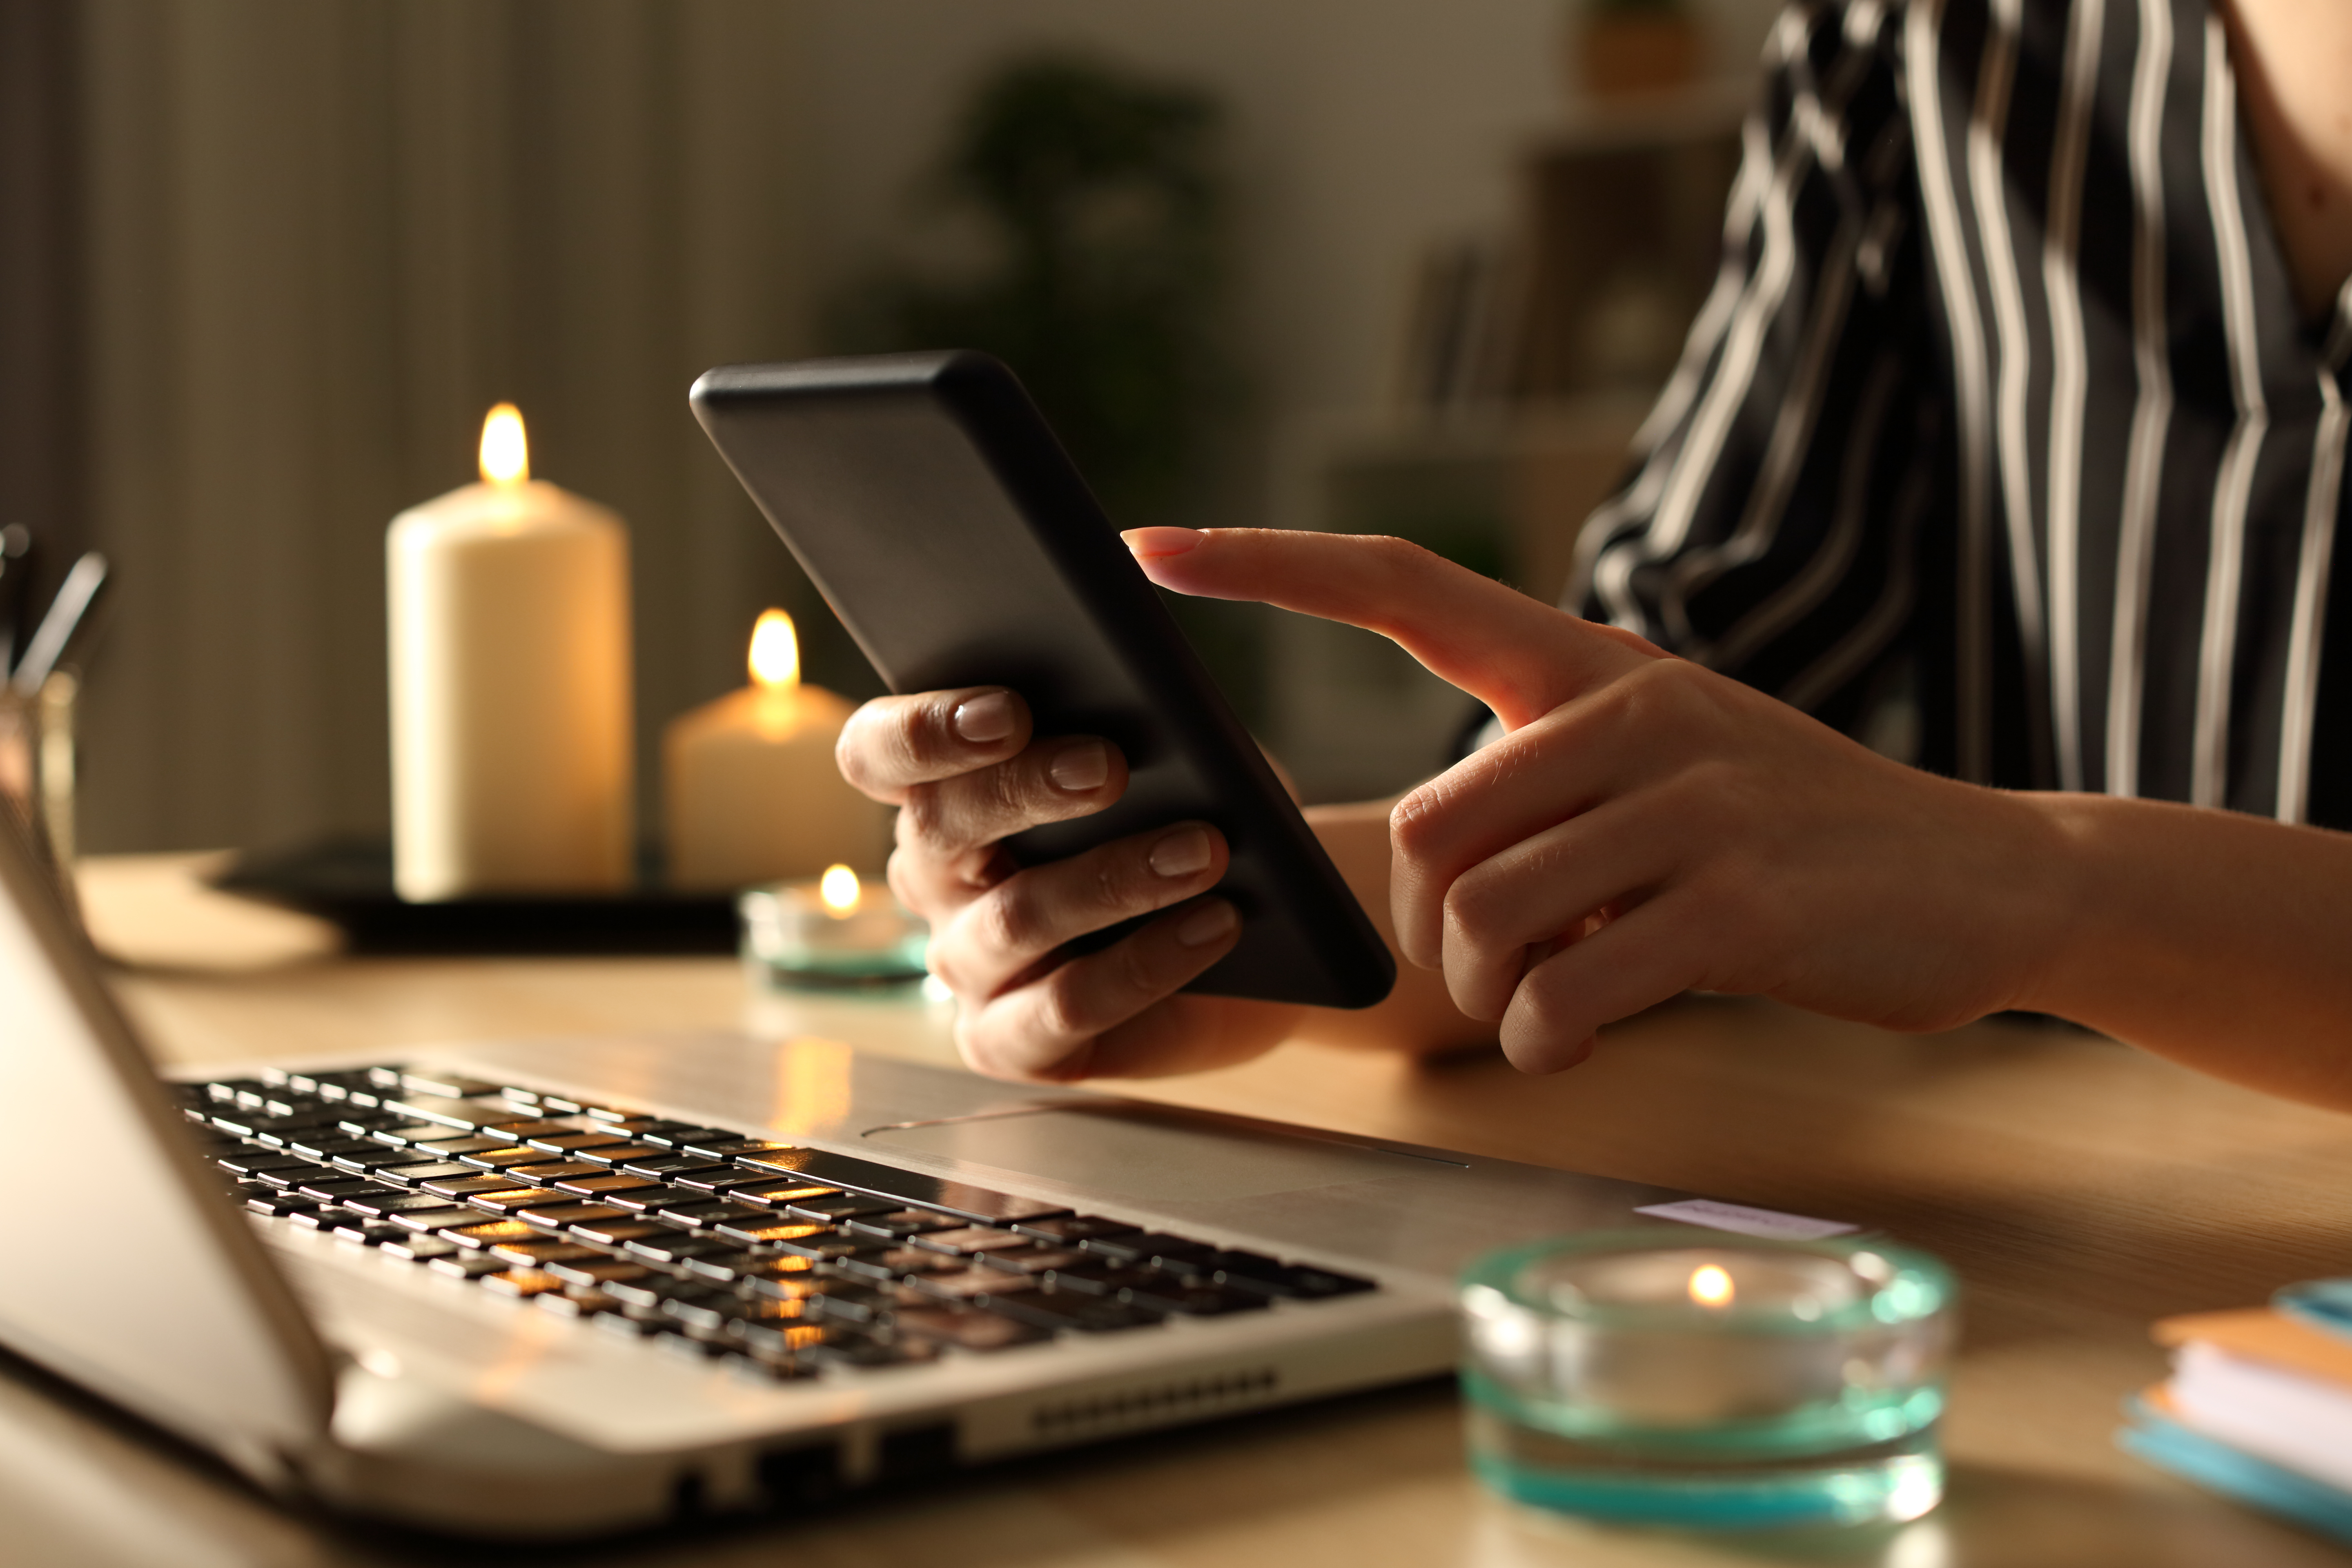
{"x":2080,"y":1188}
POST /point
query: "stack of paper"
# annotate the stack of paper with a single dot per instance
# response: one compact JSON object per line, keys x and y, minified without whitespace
{"x":2259,"y":1406}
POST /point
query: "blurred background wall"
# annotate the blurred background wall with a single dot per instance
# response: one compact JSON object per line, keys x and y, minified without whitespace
{"x":324,"y":238}
{"x":320,"y":238}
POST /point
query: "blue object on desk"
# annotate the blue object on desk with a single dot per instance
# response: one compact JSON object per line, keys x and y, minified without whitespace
{"x":2235,"y":1474}
{"x":2324,"y":1304}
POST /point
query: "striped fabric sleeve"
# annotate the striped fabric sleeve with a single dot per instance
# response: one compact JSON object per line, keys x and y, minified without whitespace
{"x":1780,"y":515}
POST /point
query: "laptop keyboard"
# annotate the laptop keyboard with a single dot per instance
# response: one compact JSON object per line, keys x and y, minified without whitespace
{"x":790,"y":1261}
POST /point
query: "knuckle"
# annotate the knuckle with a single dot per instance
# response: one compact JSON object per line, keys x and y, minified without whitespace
{"x":922,"y":817}
{"x":1413,"y":822}
{"x":1062,"y":1012}
{"x":1475,"y":910}
{"x":1007,"y":918}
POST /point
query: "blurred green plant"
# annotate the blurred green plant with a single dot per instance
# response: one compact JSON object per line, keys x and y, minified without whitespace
{"x":1098,"y":274}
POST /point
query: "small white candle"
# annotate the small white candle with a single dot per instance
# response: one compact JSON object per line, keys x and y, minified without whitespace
{"x":509,"y":649}
{"x":751,"y":791}
{"x":831,"y":930}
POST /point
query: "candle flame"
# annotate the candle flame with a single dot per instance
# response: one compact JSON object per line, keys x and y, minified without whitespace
{"x":506,"y":456}
{"x":839,"y":889}
{"x":1710,"y":1286}
{"x":775,"y":652}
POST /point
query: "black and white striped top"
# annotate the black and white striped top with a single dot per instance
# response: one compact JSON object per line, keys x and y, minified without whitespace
{"x":2003,"y":384}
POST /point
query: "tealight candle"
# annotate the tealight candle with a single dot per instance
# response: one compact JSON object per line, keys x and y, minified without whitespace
{"x":1649,"y":1377}
{"x":510,"y":653}
{"x":831,"y":931}
{"x":751,"y":793}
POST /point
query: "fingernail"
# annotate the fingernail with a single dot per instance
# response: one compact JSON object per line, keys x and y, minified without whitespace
{"x":1207,"y":924}
{"x":1151,"y":543}
{"x":985,"y":718}
{"x":1083,"y":766}
{"x":1182,"y":853}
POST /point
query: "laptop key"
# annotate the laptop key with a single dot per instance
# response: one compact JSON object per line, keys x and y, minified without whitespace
{"x":768,"y":1192}
{"x":281,"y":1206}
{"x":503,"y":1155}
{"x":385,"y":1207}
{"x":379,"y":1158}
{"x":538,"y":1254}
{"x":449,"y":1086}
{"x":1271,"y":1276}
{"x":469,"y":1265}
{"x":486,"y":1234}
{"x":340,"y":1186}
{"x":963,"y":1284}
{"x":617,"y":1232}
{"x":508,"y":1200}
{"x":897,"y":1262}
{"x":674,"y":1134}
{"x":916,"y":1191}
{"x":651,"y":1201}
{"x":734,"y":1146}
{"x":606,"y":1182}
{"x":703,"y":1215}
{"x":899,"y":1223}
{"x":406,"y":1134}
{"x":522,"y":1283}
{"x":1144,"y":1246}
{"x":967,"y":1329}
{"x":836,"y":1209}
{"x":661,"y":1249}
{"x":313,"y":1147}
{"x":666,"y":1166}
{"x":566,"y":1142}
{"x":426,"y":1220}
{"x":598,"y":1271}
{"x":467,"y":1186}
{"x":569,"y":1213}
{"x":574,"y":1302}
{"x":246,"y":1162}
{"x":719,"y":1181}
{"x":620,"y":1153}
{"x":418,"y":1249}
{"x":796,"y":1237}
{"x":972,"y":1239}
{"x":417,"y":1175}
{"x":548,"y":1175}
{"x":722,"y":1267}
{"x":1035,"y":1260}
{"x":1069,"y":1230}
{"x":1060,"y":1309}
{"x":368,"y":1234}
{"x":1160,"y":1293}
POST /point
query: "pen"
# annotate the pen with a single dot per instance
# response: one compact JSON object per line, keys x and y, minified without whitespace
{"x":68,"y":612}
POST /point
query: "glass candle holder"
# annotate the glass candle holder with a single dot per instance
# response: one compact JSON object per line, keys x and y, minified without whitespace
{"x":1653,"y":1377}
{"x":831,"y":931}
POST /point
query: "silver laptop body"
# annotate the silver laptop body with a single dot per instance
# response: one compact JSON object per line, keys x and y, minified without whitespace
{"x":328,"y":1369}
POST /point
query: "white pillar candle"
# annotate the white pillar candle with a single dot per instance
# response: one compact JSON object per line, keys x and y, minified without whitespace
{"x":511,"y":738}
{"x":748,"y":781}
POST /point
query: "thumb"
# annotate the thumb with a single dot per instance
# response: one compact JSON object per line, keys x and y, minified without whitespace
{"x":1519,"y":657}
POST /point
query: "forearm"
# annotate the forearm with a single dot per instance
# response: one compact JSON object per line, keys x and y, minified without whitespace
{"x":1418,"y":1014}
{"x":2221,"y":941}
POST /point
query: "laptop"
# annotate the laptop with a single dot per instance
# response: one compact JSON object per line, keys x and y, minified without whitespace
{"x":559,"y":1288}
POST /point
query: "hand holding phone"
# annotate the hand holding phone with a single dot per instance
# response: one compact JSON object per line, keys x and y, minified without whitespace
{"x":1072,"y":785}
{"x":968,"y":772}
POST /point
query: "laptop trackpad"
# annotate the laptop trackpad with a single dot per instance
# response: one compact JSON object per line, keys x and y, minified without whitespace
{"x":1151,"y":1155}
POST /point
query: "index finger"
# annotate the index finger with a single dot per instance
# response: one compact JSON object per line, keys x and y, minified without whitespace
{"x":893,"y":743}
{"x":1520,"y":657}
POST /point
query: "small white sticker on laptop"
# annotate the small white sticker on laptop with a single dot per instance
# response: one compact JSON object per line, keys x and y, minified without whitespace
{"x":1746,"y":1221}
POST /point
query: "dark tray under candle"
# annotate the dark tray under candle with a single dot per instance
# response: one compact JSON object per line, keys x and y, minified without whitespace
{"x":348,"y":881}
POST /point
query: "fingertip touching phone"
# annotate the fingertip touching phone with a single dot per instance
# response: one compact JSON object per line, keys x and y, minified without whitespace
{"x":931,"y":505}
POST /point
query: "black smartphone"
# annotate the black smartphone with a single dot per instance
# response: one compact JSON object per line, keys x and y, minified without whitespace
{"x":934,"y":509}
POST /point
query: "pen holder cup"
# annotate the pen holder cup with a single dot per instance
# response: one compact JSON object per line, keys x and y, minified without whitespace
{"x":36,"y":768}
{"x":1657,"y":1378}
